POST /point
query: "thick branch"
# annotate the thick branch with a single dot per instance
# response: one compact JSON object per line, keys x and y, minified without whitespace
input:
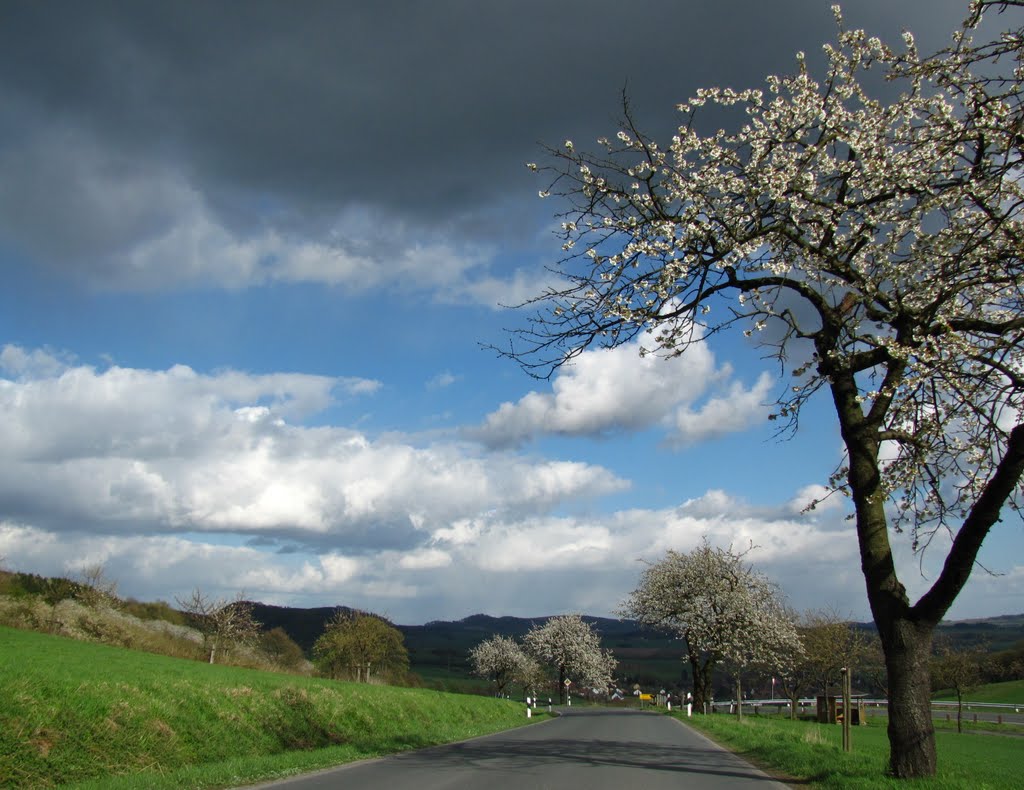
{"x":983,"y":515}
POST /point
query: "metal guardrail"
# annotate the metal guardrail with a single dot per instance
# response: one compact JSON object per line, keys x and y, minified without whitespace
{"x":968,"y":705}
{"x":811,"y":702}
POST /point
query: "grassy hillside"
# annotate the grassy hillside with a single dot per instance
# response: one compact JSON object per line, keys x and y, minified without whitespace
{"x":74,"y":711}
{"x":1010,"y":692}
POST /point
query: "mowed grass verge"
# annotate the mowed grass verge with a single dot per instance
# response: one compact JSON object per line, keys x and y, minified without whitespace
{"x":74,"y":711}
{"x":811,"y":753}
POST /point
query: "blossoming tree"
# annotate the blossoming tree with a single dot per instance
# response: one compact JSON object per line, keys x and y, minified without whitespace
{"x":501,"y":660}
{"x":724,"y":611}
{"x":572,"y":648}
{"x":873,"y":246}
{"x":224,"y":623}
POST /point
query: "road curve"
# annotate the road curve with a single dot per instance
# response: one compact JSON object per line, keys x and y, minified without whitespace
{"x":591,"y":748}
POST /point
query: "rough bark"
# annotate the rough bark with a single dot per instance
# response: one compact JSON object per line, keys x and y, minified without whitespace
{"x":911,"y":731}
{"x":701,"y":672}
{"x":906,"y":631}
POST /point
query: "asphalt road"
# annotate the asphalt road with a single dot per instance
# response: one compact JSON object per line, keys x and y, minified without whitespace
{"x":590,"y":748}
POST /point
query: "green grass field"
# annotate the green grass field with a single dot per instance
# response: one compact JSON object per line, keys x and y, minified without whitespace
{"x":76,"y":712}
{"x":811,"y":753}
{"x":1010,"y":692}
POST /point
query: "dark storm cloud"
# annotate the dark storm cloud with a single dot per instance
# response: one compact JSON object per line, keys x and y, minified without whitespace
{"x":427,"y":110}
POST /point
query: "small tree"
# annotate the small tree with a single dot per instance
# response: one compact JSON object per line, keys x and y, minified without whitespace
{"x":224,"y":623}
{"x":573,"y":649}
{"x":501,"y":660}
{"x":360,"y":645}
{"x":1007,"y":664}
{"x":831,"y":643}
{"x":281,"y":648}
{"x":96,"y":588}
{"x":959,"y":670}
{"x":722,"y":611}
{"x":798,"y":677}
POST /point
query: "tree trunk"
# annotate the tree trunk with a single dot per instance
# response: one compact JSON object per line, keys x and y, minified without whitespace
{"x":906,"y":635}
{"x":906,"y":631}
{"x":701,"y":684}
{"x":908,"y":649}
{"x":794,"y":701}
{"x":562,"y":690}
{"x":739,"y":699}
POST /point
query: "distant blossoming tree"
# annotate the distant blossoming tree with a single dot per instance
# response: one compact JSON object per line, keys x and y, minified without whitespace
{"x":873,"y":246}
{"x":97,"y":588}
{"x":224,"y":623}
{"x":501,"y":660}
{"x":572,"y":648}
{"x":725,"y":613}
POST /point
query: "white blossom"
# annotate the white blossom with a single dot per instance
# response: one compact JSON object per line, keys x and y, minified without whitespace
{"x":722,"y":610}
{"x":572,"y":648}
{"x":882,"y":232}
{"x":501,"y":660}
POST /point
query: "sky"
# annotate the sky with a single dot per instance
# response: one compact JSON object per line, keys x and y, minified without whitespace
{"x":253,"y":257}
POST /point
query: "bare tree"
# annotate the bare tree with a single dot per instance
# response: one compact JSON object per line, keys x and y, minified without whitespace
{"x":96,"y":588}
{"x":959,"y":669}
{"x":831,"y":642}
{"x":873,"y":247}
{"x":873,"y":667}
{"x":223,"y":622}
{"x":722,"y":610}
{"x":572,"y":648}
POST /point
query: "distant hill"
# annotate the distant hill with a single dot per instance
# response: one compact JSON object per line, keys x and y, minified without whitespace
{"x":1001,"y":621}
{"x":305,"y":625}
{"x":302,"y":625}
{"x":439,"y":650}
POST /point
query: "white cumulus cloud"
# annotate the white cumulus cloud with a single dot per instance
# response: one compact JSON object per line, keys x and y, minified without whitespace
{"x":124,"y":449}
{"x":604,"y":391}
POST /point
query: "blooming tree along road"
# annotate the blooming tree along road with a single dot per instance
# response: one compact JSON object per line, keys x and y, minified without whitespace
{"x":596,"y":748}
